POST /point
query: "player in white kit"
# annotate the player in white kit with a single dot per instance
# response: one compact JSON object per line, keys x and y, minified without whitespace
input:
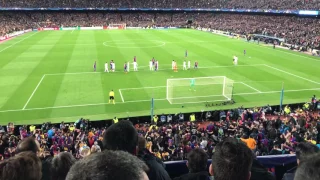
{"x":184,"y":65}
{"x":173,"y":64}
{"x":135,"y":66}
{"x":151,"y":65}
{"x":189,"y":64}
{"x":106,"y":69}
{"x":235,"y":60}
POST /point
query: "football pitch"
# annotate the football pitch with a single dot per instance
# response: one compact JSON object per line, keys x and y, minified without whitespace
{"x":48,"y":75}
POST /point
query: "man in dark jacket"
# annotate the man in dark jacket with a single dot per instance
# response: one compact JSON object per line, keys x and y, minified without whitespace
{"x":303,"y":150}
{"x":123,"y":136}
{"x":197,"y":165}
{"x":259,"y":172}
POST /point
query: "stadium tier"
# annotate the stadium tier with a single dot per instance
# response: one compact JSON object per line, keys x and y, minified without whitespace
{"x":253,"y":4}
{"x":299,"y":31}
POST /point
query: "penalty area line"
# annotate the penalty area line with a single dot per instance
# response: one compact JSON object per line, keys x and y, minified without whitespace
{"x":34,"y":91}
{"x":283,"y":71}
{"x":250,"y":87}
{"x":121,"y":95}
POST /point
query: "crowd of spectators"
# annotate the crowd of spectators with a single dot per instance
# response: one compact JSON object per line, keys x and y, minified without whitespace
{"x":250,"y":4}
{"x":295,"y":30}
{"x":81,"y":148}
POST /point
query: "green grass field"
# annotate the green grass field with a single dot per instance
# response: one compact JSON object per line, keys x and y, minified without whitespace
{"x":48,"y":76}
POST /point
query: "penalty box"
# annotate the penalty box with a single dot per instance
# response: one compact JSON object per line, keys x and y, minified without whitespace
{"x":199,"y":95}
{"x":73,"y":89}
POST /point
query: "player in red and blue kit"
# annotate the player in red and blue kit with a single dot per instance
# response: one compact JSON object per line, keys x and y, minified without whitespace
{"x":244,"y":52}
{"x":156,"y":66}
{"x":111,"y":65}
{"x":95,"y":66}
{"x":125,"y":67}
{"x":153,"y":61}
{"x":134,"y":59}
{"x":196,"y":65}
{"x":186,"y":54}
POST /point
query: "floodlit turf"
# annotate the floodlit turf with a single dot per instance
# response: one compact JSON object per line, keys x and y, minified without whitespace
{"x":48,"y":76}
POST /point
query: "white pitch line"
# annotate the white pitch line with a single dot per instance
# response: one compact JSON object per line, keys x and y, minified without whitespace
{"x":291,"y":53}
{"x":84,"y":105}
{"x":16,"y":43}
{"x":199,"y":102}
{"x":250,"y":87}
{"x":291,"y":74}
{"x":152,"y":87}
{"x":144,"y":88}
{"x":81,"y":105}
{"x":24,"y":107}
{"x":121,"y":95}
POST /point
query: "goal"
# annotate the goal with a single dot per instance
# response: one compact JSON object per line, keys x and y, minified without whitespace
{"x":117,"y":26}
{"x":205,"y":89}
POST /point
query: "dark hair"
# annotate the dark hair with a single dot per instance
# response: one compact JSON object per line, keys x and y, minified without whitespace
{"x":121,"y":136}
{"x":24,"y":166}
{"x":231,"y":160}
{"x":108,"y":165}
{"x":309,"y":168}
{"x":61,"y":165}
{"x":141,"y":143}
{"x":197,"y":160}
{"x":28,"y":144}
{"x":305,"y":149}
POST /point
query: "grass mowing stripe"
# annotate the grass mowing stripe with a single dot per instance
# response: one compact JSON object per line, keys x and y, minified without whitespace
{"x":22,"y":66}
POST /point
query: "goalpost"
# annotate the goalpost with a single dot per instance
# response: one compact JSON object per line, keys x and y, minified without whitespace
{"x":117,"y":26}
{"x":205,"y":89}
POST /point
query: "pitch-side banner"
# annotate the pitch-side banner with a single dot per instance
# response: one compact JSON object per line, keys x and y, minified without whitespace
{"x":51,"y":29}
{"x":11,"y":35}
{"x":91,"y":28}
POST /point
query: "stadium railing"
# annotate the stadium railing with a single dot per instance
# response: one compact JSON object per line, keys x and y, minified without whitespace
{"x":279,"y":164}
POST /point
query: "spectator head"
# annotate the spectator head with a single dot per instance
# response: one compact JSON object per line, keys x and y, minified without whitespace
{"x":121,"y":136}
{"x":197,"y":160}
{"x":108,"y":165}
{"x":232,"y":159}
{"x":61,"y":165}
{"x":305,"y":149}
{"x":28,"y":144}
{"x":142,"y":143}
{"x":24,"y":166}
{"x":309,"y":168}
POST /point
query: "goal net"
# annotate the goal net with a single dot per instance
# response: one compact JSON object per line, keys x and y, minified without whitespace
{"x":200,"y":89}
{"x":117,"y":26}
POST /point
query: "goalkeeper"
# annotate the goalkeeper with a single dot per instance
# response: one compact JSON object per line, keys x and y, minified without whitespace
{"x":192,"y":83}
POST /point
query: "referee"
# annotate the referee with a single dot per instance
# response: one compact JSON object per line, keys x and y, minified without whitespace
{"x":111,"y":96}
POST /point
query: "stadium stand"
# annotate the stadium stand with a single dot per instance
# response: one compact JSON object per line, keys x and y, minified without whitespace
{"x":295,"y":30}
{"x":171,"y":141}
{"x":261,"y":4}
